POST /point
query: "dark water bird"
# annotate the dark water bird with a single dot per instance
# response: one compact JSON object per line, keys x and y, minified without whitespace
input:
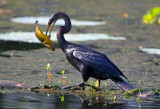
{"x":87,"y":61}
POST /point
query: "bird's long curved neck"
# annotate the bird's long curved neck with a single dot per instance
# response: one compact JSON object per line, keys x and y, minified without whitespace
{"x":62,"y":30}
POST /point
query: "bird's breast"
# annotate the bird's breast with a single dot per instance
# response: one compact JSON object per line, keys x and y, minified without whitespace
{"x":73,"y":61}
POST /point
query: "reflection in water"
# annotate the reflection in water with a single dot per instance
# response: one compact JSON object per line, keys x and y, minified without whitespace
{"x":43,"y":20}
{"x":38,"y":101}
{"x":101,"y":105}
{"x":139,"y":104}
{"x":30,"y":37}
{"x":46,"y":102}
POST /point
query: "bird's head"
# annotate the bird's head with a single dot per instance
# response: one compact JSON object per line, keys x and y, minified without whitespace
{"x":52,"y":20}
{"x":59,"y":15}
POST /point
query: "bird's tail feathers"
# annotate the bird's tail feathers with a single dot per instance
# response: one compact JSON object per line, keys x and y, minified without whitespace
{"x":123,"y":85}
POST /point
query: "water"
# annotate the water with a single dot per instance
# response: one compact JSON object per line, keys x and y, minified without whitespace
{"x":30,"y":37}
{"x":43,"y":20}
{"x":15,"y":60}
{"x":150,"y":50}
{"x":39,"y":101}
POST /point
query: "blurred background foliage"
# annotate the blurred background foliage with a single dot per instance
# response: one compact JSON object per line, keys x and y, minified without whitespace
{"x":152,"y":16}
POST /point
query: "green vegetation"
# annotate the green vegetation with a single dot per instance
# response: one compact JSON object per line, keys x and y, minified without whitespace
{"x":131,"y":92}
{"x":62,"y":98}
{"x":63,"y":77}
{"x":152,"y":16}
{"x":110,"y":11}
{"x":155,"y":91}
{"x":48,"y":67}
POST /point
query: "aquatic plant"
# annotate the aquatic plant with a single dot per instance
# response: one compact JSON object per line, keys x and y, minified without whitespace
{"x":46,"y":88}
{"x":62,"y":98}
{"x":115,"y":99}
{"x":139,"y":91}
{"x":48,"y":67}
{"x":131,"y":92}
{"x":91,"y":90}
{"x":3,"y":92}
{"x":155,"y":91}
{"x":90,"y":102}
{"x":152,"y":16}
{"x":63,"y":77}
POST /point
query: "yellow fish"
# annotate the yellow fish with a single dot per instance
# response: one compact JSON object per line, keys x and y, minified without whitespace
{"x":44,"y":38}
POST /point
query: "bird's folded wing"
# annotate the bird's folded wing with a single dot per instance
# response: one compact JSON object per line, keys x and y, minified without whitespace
{"x":97,"y":61}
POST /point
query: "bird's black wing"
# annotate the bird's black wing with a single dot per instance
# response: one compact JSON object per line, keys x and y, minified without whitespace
{"x":116,"y":68}
{"x":97,"y":61}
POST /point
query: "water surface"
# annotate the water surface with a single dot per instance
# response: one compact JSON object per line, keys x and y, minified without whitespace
{"x":43,"y":20}
{"x":50,"y":101}
{"x":30,"y":37}
{"x":150,"y":50}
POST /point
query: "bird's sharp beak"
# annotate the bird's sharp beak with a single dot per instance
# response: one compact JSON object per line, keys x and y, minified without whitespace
{"x":51,"y":29}
{"x":48,"y":28}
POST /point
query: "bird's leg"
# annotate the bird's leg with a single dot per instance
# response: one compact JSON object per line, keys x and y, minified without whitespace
{"x":98,"y":82}
{"x":85,"y":77}
{"x":82,"y":84}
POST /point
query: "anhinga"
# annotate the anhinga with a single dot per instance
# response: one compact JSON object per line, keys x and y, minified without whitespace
{"x":87,"y":61}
